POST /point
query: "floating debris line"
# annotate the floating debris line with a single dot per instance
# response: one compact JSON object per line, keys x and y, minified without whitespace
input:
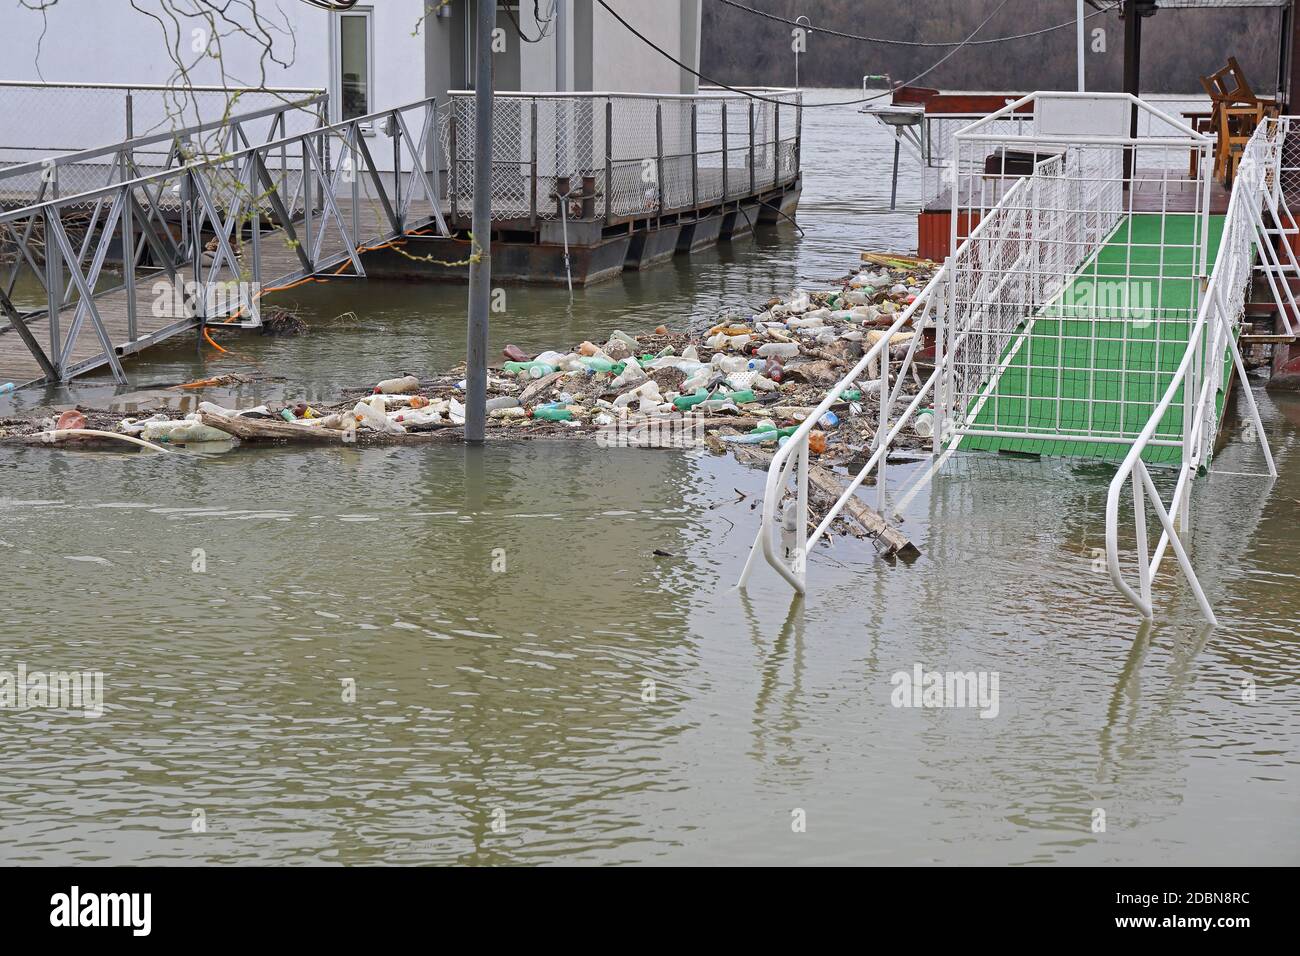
{"x":741,"y":387}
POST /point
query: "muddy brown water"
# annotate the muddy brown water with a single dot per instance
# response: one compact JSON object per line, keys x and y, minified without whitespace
{"x":534,"y":684}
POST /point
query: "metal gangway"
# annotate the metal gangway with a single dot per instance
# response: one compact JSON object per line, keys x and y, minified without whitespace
{"x":1091,"y":310}
{"x":198,"y":221}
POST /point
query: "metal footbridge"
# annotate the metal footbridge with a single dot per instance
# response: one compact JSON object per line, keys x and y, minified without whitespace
{"x":108,"y":250}
{"x":1091,"y":310}
{"x":202,"y":199}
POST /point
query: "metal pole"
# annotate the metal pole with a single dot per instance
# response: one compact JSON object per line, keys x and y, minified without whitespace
{"x":659,"y":157}
{"x":609,"y":157}
{"x":752,"y":188}
{"x":532,"y":162}
{"x":480,"y":267}
{"x":724,"y":151}
{"x":695,"y":157}
{"x":1132,"y":72}
{"x":561,"y":48}
{"x":1079,"y":54}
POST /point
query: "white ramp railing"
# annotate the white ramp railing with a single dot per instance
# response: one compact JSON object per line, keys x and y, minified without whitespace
{"x":982,"y":304}
{"x":1201,"y":379}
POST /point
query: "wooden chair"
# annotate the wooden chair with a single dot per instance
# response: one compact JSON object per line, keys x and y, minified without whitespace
{"x":1236,"y":112}
{"x":1229,"y":85}
{"x":1233,"y":128}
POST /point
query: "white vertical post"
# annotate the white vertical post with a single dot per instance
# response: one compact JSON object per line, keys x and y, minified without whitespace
{"x":1079,"y":16}
{"x":801,"y":511}
{"x":1140,"y":526}
{"x":884,"y":425}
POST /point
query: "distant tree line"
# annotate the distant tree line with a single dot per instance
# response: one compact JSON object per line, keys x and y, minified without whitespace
{"x":1179,"y":45}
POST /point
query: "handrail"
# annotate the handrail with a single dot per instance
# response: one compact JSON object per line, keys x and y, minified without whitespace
{"x":778,"y":470}
{"x":1213,"y":316}
{"x":160,"y":87}
{"x":207,"y":161}
{"x":623,"y":95}
{"x":139,"y":142}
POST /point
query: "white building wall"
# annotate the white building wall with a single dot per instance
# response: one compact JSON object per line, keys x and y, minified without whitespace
{"x":623,"y":63}
{"x":106,"y":41}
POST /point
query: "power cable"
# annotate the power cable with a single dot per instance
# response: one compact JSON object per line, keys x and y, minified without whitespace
{"x":916,"y":43}
{"x":866,"y":99}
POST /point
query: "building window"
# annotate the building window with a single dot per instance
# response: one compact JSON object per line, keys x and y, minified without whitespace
{"x":353,"y":64}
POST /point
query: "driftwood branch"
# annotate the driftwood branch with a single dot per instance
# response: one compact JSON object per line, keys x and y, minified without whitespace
{"x":266,"y":429}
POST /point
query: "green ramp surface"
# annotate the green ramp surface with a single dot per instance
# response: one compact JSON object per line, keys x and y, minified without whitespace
{"x":1095,"y":361}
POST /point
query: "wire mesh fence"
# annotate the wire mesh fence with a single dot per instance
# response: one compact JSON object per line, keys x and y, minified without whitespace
{"x":612,"y":156}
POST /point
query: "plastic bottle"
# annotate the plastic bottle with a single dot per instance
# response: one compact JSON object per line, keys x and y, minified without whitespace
{"x":180,"y":432}
{"x":923,"y":424}
{"x":531,"y":369}
{"x":631,"y":374}
{"x":376,"y":420}
{"x":398,"y":386}
{"x":599,"y":364}
{"x":829,"y":420}
{"x":7,"y":387}
{"x":742,"y":396}
{"x":647,"y":390}
{"x":683,"y":402}
{"x":552,"y":413}
{"x":781,"y":350}
{"x":503,"y":401}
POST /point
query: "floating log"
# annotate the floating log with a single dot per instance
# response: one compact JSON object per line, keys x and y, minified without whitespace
{"x":896,"y":543}
{"x":269,"y":429}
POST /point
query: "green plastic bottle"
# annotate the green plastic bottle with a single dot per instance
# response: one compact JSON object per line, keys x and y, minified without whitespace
{"x":602,"y":365}
{"x":683,"y":402}
{"x":851,"y":394}
{"x":532,"y":369}
{"x":552,"y":413}
{"x":741,"y":396}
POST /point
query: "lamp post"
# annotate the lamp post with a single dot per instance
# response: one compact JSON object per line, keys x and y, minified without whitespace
{"x":800,"y":41}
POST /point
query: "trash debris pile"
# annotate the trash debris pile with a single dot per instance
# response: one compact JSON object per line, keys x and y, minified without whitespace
{"x":746,"y":380}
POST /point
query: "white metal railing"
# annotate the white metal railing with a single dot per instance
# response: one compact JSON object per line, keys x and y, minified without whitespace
{"x":1201,"y":377}
{"x":326,"y":207}
{"x":796,"y":542}
{"x":1022,"y":253}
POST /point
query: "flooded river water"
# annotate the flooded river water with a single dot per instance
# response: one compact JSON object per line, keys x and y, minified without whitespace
{"x":533,"y":682}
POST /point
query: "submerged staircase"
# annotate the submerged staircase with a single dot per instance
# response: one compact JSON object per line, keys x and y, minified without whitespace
{"x":1091,"y":311}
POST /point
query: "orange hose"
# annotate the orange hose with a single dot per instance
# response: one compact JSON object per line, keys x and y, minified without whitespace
{"x":213,"y":342}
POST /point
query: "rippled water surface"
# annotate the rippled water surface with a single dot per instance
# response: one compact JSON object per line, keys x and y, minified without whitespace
{"x":502,"y":715}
